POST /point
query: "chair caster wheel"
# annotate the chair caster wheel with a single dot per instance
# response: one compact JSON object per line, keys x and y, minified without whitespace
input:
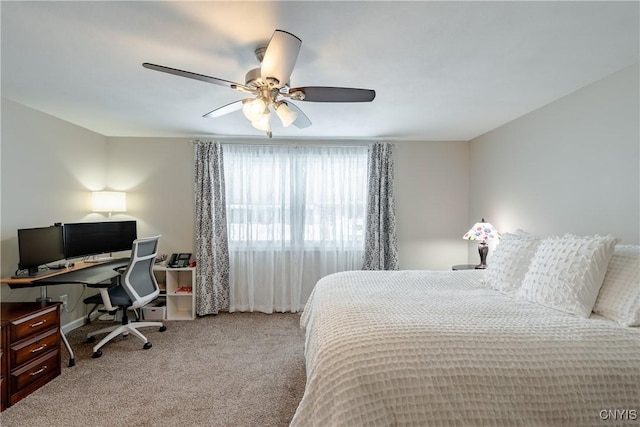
{"x":147,"y":345}
{"x":91,"y":339}
{"x":163,"y":328}
{"x":96,"y":354}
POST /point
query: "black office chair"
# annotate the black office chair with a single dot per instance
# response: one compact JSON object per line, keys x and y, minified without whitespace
{"x":136,"y":287}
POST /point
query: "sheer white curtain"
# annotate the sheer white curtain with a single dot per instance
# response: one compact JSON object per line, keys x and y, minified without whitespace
{"x":294,"y":215}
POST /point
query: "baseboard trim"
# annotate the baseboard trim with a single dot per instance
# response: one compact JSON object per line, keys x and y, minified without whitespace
{"x":82,"y":321}
{"x":73,"y":325}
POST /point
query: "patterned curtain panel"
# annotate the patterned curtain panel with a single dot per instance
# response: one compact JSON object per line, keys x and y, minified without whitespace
{"x":381,"y":247}
{"x":212,"y":250}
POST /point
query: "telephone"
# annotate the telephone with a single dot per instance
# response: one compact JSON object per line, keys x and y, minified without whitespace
{"x":179,"y":260}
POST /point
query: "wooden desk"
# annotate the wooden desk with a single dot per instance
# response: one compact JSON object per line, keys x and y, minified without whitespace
{"x":31,"y":282}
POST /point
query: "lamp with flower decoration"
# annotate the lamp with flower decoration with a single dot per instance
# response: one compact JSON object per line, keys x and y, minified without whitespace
{"x":483,"y":232}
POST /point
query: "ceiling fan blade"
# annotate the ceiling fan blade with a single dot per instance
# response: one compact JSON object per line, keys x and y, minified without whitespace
{"x":333,"y":94}
{"x":301,"y":121}
{"x":280,"y":58}
{"x":225,"y":109}
{"x":195,"y":76}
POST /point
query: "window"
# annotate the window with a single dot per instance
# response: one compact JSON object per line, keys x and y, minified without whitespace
{"x":295,"y":197}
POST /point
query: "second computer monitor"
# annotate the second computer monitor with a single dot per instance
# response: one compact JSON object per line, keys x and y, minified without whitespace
{"x":83,"y":239}
{"x":39,"y":246}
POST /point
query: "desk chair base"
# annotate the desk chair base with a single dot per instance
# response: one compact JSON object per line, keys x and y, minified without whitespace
{"x":124,"y":329}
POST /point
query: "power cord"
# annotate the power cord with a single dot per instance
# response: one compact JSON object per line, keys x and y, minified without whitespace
{"x":72,"y":308}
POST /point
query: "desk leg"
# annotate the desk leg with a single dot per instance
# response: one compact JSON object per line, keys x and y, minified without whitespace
{"x":72,"y":359}
{"x":44,"y":297}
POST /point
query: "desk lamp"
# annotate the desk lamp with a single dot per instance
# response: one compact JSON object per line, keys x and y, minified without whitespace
{"x":109,"y":201}
{"x":482,"y":231}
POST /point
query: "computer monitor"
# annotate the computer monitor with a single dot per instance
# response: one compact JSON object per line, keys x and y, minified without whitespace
{"x":39,"y":246}
{"x":82,"y":239}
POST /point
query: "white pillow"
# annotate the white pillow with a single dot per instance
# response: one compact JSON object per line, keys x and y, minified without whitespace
{"x":619,"y":297}
{"x":510,"y":261}
{"x":566,"y":273}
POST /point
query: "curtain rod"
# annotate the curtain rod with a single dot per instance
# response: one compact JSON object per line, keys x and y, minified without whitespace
{"x":256,"y":144}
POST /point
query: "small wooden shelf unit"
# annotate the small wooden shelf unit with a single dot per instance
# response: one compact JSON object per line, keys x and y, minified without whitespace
{"x":180,"y":305}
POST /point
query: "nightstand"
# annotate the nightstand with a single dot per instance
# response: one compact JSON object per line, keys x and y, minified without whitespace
{"x":464,"y":267}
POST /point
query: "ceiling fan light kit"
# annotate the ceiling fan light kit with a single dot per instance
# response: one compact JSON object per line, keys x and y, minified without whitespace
{"x":287,"y":115}
{"x":271,"y":82}
{"x":254,"y":109}
{"x":263,"y":123}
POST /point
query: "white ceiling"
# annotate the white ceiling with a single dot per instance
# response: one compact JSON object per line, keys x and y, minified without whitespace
{"x":441,"y":70}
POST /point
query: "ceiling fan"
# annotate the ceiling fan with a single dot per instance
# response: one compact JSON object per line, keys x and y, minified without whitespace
{"x":271,"y":89}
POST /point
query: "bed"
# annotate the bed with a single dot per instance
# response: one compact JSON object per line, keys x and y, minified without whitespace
{"x":449,"y":348}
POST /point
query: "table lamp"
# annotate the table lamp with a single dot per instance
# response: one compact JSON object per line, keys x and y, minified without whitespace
{"x":482,"y":231}
{"x":109,"y":201}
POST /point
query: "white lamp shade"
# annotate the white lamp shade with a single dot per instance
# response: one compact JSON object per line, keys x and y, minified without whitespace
{"x":262,"y":123}
{"x":253,"y":109}
{"x":109,"y":201}
{"x":482,"y":231}
{"x":286,"y":114}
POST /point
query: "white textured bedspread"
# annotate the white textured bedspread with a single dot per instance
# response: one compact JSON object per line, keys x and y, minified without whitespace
{"x":425,"y":348}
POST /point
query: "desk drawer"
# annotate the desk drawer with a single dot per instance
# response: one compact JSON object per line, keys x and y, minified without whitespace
{"x":34,"y":324}
{"x":31,"y":376}
{"x":26,"y":350}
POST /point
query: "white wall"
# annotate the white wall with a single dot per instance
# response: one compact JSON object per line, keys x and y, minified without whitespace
{"x":571,"y":166}
{"x":48,"y":169}
{"x":432,"y":203}
{"x":158,"y":175}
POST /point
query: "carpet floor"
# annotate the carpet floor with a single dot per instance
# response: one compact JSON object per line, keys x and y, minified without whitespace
{"x":231,"y":369}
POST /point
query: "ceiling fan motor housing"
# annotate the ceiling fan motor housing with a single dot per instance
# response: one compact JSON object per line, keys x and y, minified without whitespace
{"x":253,"y":78}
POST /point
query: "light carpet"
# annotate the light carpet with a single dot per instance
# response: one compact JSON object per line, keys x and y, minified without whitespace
{"x":239,"y":369}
